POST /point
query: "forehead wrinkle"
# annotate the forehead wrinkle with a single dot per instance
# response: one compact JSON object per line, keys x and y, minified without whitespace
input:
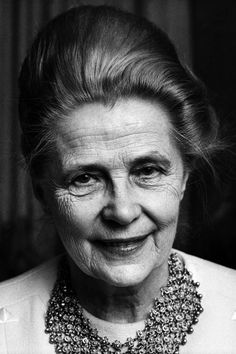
{"x":118,"y":160}
{"x":109,"y":129}
{"x":79,"y":140}
{"x":85,"y":151}
{"x":103,"y":142}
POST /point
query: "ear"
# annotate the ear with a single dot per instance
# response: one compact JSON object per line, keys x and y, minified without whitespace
{"x":184,"y":183}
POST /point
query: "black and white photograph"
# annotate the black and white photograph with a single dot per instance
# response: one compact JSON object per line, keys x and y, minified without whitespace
{"x":117,"y":177}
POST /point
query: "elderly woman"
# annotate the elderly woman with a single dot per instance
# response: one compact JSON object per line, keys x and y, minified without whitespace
{"x":112,"y":127}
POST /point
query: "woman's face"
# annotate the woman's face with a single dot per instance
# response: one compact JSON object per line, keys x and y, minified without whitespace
{"x":116,"y":182}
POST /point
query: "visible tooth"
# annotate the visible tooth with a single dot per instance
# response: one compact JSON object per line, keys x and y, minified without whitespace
{"x":122,"y":244}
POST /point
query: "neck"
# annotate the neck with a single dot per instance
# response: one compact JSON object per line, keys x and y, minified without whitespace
{"x":118,"y":304}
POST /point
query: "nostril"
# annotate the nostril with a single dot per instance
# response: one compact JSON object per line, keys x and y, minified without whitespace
{"x":113,"y":225}
{"x":121,"y":214}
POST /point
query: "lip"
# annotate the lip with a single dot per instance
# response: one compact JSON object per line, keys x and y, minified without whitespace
{"x":122,"y":247}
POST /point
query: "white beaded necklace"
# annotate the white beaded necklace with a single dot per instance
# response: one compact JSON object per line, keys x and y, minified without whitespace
{"x":166,"y":327}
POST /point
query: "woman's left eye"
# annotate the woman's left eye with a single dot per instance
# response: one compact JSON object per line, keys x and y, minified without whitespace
{"x":148,"y":174}
{"x":148,"y":171}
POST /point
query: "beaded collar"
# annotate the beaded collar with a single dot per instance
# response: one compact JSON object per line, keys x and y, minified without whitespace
{"x":166,"y":327}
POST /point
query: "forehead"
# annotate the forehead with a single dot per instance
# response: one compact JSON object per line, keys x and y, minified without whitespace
{"x":129,"y":128}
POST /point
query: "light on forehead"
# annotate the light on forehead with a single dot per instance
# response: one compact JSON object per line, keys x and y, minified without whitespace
{"x":133,"y":130}
{"x":123,"y":108}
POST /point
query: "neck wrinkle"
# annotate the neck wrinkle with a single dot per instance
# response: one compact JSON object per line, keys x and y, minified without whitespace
{"x":114,"y":304}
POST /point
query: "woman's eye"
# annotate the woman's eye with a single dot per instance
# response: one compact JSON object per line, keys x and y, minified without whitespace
{"x":149,"y":174}
{"x":84,"y":184}
{"x":83,"y":179}
{"x":148,"y":171}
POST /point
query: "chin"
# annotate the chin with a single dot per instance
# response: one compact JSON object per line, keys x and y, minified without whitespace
{"x":126,"y":276}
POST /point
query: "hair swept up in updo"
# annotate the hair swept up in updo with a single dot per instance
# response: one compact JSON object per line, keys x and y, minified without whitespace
{"x":101,"y":54}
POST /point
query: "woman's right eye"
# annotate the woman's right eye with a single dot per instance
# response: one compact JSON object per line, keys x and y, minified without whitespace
{"x":83,"y":179}
{"x":85,"y":183}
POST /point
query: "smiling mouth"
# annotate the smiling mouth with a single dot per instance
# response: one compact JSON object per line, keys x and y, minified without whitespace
{"x":122,"y":247}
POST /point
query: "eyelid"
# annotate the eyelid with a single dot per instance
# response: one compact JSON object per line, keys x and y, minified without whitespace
{"x":78,"y":172}
{"x":80,"y":189}
{"x":156,"y":167}
{"x":92,"y":175}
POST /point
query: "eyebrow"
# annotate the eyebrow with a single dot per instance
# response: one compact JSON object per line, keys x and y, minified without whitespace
{"x":149,"y":157}
{"x":152,"y":157}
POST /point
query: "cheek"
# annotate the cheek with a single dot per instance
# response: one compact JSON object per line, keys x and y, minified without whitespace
{"x":71,"y":216}
{"x":163,"y":207}
{"x":73,"y":222}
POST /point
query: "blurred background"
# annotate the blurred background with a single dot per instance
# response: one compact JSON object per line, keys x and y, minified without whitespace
{"x":204,"y":33}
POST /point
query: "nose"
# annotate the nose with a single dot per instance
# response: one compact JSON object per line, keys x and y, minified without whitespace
{"x":121,"y":207}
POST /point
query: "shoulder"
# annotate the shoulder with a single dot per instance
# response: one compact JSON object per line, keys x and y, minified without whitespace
{"x":212,"y":276}
{"x":37,"y":281}
{"x":23,"y":303}
{"x":216,"y":329}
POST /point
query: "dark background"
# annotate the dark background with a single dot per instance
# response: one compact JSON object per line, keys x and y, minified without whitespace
{"x":205,"y":35}
{"x":214,"y":61}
